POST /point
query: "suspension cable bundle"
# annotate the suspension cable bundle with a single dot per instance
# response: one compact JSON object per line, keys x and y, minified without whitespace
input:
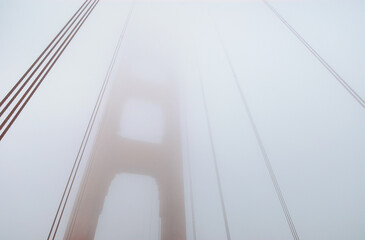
{"x":77,"y":161}
{"x":19,"y":95}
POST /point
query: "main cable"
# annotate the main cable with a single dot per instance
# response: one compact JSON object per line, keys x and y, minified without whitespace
{"x":353,"y":93}
{"x":40,"y":56}
{"x":259,"y":140}
{"x":190,"y":176}
{"x":68,"y":182}
{"x":90,"y":164}
{"x":87,"y":133}
{"x":40,"y":77}
{"x":214,"y":158}
{"x":39,"y":65}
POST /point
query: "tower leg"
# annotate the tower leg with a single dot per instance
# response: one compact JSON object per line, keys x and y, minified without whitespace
{"x":88,"y":206}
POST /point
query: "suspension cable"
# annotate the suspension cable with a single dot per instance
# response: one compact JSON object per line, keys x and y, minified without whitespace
{"x":212,"y":146}
{"x":65,"y":202}
{"x":41,"y":76}
{"x":258,"y":139}
{"x":86,"y":136}
{"x":190,"y":176}
{"x":349,"y":89}
{"x":39,"y":65}
{"x":40,"y":56}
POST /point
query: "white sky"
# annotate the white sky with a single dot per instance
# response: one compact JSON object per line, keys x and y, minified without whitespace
{"x":312,"y":129}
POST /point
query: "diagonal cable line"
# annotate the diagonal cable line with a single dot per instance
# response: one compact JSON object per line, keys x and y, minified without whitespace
{"x":75,"y":30}
{"x":353,"y":93}
{"x":191,"y":191}
{"x":41,"y":77}
{"x":87,"y":133}
{"x":188,"y":162}
{"x":39,"y":65}
{"x":44,"y":69}
{"x":258,"y":139}
{"x":92,"y":120}
{"x":40,"y":56}
{"x":57,"y":216}
{"x":212,"y":146}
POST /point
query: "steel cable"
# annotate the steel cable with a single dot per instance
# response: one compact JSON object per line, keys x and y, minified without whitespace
{"x":258,"y":139}
{"x":40,"y":56}
{"x":35,"y":70}
{"x":60,"y":50}
{"x":353,"y":93}
{"x":212,"y":146}
{"x":68,"y":182}
{"x":87,"y":133}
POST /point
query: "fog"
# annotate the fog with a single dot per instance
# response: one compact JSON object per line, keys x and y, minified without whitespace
{"x":216,"y":122}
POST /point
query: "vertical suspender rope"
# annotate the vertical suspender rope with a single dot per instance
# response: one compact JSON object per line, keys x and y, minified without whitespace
{"x":221,"y":197}
{"x":258,"y":139}
{"x":151,"y":213}
{"x":190,"y":177}
{"x":214,"y":157}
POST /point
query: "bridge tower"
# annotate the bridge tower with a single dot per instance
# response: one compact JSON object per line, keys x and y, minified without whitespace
{"x":113,"y":153}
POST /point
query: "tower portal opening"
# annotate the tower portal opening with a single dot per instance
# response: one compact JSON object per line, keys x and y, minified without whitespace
{"x":131,"y":209}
